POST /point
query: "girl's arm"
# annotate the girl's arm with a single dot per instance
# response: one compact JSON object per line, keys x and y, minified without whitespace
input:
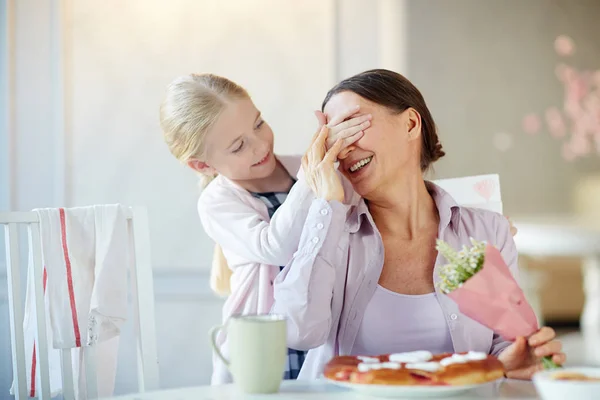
{"x":304,"y":289}
{"x":240,"y":228}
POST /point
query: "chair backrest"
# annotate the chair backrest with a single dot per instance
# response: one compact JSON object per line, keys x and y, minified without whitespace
{"x":142,"y":294}
{"x":480,"y":191}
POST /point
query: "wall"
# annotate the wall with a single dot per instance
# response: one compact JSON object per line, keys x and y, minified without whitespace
{"x":81,"y":126}
{"x":120,"y":71}
{"x":484,"y":65}
{"x":5,"y":90}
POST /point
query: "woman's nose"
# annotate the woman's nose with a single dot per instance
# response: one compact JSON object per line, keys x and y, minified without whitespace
{"x":346,"y":152}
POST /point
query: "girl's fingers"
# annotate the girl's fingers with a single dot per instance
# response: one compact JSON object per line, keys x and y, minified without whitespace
{"x":321,"y":118}
{"x":364,"y":120}
{"x":317,"y":149}
{"x":349,"y":132}
{"x":352,"y":139}
{"x":332,"y":154}
{"x":345,"y":114}
{"x":316,"y":135}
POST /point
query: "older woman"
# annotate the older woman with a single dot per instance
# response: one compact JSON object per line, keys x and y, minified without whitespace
{"x":362,"y":281}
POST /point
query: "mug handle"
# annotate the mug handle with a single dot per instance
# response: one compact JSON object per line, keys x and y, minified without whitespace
{"x":214,"y":331}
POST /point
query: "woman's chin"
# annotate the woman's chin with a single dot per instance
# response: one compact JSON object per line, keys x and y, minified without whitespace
{"x":361,"y":187}
{"x":361,"y":183}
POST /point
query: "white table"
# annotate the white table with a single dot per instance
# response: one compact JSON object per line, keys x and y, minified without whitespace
{"x":507,"y":389}
{"x":568,"y":236}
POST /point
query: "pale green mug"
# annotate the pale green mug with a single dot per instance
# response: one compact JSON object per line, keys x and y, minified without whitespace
{"x":257,"y":349}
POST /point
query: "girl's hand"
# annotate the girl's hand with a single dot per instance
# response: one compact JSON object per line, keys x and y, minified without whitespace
{"x":350,"y":131}
{"x":319,"y":167}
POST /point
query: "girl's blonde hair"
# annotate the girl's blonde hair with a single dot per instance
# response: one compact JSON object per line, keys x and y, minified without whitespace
{"x":220,"y":273}
{"x":192,"y":105}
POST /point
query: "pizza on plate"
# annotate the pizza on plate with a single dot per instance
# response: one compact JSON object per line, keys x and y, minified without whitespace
{"x":418,"y":368}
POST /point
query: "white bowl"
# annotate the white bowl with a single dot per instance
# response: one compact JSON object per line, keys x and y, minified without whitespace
{"x":552,"y":389}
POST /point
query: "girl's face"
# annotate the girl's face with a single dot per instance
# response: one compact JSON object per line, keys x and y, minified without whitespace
{"x":239,"y":145}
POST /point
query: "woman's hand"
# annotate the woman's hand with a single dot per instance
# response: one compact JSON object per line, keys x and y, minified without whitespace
{"x":524,"y":357}
{"x":319,"y":167}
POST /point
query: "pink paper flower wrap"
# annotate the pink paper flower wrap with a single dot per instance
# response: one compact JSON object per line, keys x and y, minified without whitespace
{"x":493,"y":298}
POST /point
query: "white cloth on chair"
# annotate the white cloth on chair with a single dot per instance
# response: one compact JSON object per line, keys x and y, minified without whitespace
{"x":86,"y":254}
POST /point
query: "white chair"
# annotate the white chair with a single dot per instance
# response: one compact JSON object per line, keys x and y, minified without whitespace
{"x":141,"y":286}
{"x":480,"y":191}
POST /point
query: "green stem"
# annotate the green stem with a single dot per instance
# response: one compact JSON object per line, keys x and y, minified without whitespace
{"x":549,"y":364}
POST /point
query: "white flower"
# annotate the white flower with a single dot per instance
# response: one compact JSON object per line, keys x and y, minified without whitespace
{"x":461,"y":265}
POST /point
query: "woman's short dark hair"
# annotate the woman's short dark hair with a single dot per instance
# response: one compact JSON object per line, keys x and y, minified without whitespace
{"x":396,"y":93}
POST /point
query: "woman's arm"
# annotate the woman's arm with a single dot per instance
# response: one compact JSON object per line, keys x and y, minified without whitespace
{"x":506,"y":244}
{"x":524,"y":356}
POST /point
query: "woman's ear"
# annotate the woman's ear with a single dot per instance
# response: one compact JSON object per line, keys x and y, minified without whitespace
{"x":413,"y":124}
{"x":201,"y":166}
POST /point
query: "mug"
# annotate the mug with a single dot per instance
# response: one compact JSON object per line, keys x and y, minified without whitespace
{"x":257,"y":348}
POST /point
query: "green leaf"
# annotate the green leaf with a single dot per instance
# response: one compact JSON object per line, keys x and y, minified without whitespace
{"x":549,"y":364}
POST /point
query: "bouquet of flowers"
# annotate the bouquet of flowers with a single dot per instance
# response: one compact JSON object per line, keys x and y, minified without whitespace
{"x":479,"y":281}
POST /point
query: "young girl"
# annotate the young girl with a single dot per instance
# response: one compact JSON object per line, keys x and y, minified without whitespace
{"x":211,"y":124}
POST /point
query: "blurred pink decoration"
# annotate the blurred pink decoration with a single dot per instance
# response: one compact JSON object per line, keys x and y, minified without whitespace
{"x":596,"y":79}
{"x":577,"y":87}
{"x":588,"y":124}
{"x":564,"y":73}
{"x":485,"y":188}
{"x":578,"y":128}
{"x":580,"y":145}
{"x":572,"y":109}
{"x":567,"y":153}
{"x":555,"y":122}
{"x":577,"y":122}
{"x":592,"y":107}
{"x":493,"y":298}
{"x":532,"y":124}
{"x":564,"y":46}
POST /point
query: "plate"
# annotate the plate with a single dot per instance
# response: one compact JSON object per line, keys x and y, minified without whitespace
{"x":400,"y":391}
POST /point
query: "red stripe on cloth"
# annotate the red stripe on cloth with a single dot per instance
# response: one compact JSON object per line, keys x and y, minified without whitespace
{"x":63,"y":228}
{"x":33,"y":361}
{"x":33,"y":358}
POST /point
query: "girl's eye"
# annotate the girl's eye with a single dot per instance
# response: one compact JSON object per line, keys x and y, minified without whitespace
{"x":260,"y":124}
{"x":239,"y":147}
